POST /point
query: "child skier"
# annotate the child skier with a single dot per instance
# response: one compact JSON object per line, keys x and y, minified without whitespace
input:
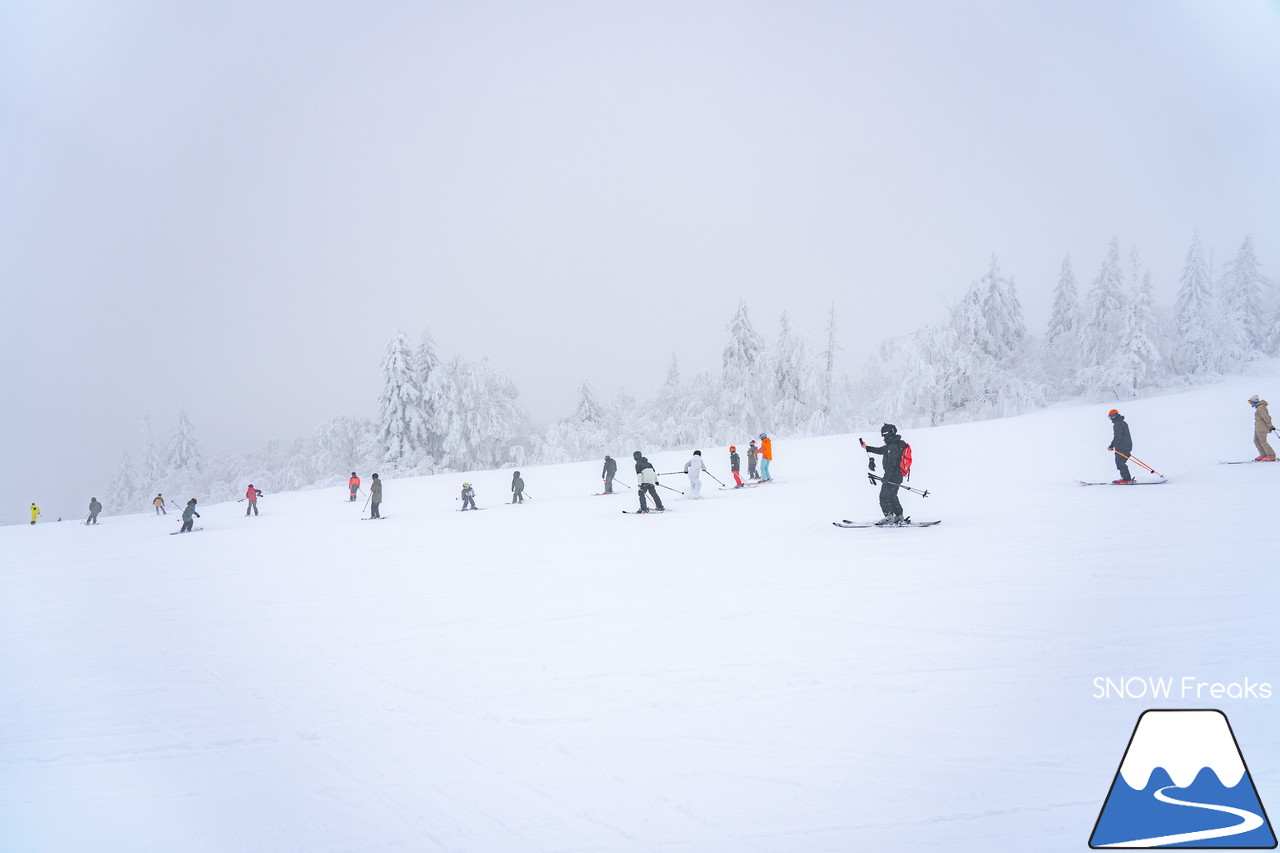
{"x":753,"y":453}
{"x":158,"y":503}
{"x":694,"y":469}
{"x":353,"y":484}
{"x":517,"y":489}
{"x":468,"y":497}
{"x":735,"y":464}
{"x":35,"y":513}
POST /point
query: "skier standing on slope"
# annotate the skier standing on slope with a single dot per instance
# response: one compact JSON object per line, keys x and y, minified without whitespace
{"x":766,"y":453}
{"x":94,"y":509}
{"x":252,"y":494}
{"x":1122,"y":446}
{"x":158,"y":503}
{"x":752,"y":454}
{"x":517,"y":489}
{"x":1261,"y":427}
{"x":468,"y":497}
{"x":735,"y":465}
{"x":353,"y":484}
{"x":694,"y":469}
{"x":375,"y":497}
{"x":608,"y":473}
{"x":647,"y":482}
{"x":187,"y":514}
{"x":35,"y":513}
{"x":892,"y":451}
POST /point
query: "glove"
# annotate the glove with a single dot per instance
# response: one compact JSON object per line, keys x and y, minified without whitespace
{"x":871,"y":464}
{"x":1111,"y":449}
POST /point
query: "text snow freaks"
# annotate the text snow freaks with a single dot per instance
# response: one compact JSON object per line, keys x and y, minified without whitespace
{"x":1186,"y":687}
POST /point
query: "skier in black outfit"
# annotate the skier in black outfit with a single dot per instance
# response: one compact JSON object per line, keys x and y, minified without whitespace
{"x":892,"y":452}
{"x":1121,"y":442}
{"x":610,"y":469}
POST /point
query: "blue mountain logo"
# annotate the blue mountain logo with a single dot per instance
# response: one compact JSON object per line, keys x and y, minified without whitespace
{"x":1183,"y":783}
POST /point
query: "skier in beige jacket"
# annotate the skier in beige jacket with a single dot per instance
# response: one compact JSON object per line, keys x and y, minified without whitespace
{"x":1261,"y":427}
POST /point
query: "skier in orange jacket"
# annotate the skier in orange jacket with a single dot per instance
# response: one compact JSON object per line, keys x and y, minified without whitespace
{"x":353,"y":484}
{"x":766,"y":456}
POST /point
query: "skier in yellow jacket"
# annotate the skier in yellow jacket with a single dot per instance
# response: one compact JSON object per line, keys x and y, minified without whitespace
{"x":35,"y":513}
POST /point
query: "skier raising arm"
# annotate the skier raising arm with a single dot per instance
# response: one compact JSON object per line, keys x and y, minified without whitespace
{"x":892,"y":451}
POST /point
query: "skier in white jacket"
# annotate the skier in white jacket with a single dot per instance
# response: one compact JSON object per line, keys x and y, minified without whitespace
{"x":694,"y":469}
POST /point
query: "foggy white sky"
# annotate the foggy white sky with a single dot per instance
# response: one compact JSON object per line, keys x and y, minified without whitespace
{"x":231,"y":206}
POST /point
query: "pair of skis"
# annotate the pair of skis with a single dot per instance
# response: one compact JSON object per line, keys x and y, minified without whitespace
{"x":908,"y":523}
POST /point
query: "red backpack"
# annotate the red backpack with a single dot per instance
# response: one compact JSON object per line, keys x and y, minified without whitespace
{"x":905,"y":465}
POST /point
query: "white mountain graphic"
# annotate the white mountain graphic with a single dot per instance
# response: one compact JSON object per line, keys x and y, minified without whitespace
{"x":1183,"y":783}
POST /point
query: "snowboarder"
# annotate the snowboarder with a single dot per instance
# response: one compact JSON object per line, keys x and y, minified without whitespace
{"x":35,"y":513}
{"x":1261,"y":427}
{"x":94,"y":509}
{"x":766,"y":454}
{"x":1122,"y":446}
{"x":694,"y":469}
{"x":753,"y":453}
{"x":252,"y":494}
{"x":468,"y":497}
{"x":610,"y":470}
{"x":353,"y":484}
{"x":158,"y":503}
{"x":187,"y":514}
{"x":735,"y":465}
{"x":375,"y":497}
{"x":517,"y":489}
{"x":892,"y":451}
{"x":647,"y":481}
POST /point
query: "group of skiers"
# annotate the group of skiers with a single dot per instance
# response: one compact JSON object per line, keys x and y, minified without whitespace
{"x":896,"y":464}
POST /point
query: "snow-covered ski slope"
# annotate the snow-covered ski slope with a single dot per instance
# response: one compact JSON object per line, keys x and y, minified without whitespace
{"x":734,"y":675}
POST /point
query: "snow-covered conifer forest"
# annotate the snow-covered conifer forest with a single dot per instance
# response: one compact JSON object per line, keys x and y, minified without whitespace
{"x":1106,"y":339}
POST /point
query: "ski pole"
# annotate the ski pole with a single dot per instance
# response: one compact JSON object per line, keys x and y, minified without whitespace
{"x":366,"y":502}
{"x":677,"y":491}
{"x":924,"y":493}
{"x":1140,"y":462}
{"x":713,"y":476}
{"x":616,"y":480}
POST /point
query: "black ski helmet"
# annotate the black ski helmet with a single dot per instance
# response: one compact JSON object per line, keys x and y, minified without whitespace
{"x":888,"y":429}
{"x":636,"y":455}
{"x":697,"y":453}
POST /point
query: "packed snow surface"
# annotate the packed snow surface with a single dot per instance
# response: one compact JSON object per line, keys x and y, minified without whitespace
{"x":734,"y":675}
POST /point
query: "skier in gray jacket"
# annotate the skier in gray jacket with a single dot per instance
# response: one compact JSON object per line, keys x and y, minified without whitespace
{"x":94,"y":509}
{"x":375,"y":497}
{"x":517,"y":489}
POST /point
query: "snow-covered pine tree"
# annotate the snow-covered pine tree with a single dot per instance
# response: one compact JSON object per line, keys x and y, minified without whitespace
{"x":794,"y":380}
{"x":581,"y":435}
{"x":1064,"y":339}
{"x":124,"y":494}
{"x":339,"y":448}
{"x":184,"y":462}
{"x":742,"y":404}
{"x":431,"y":380}
{"x":1106,"y":309}
{"x":483,"y":419}
{"x":401,"y":436}
{"x":1138,"y":364}
{"x":1245,"y":333}
{"x":151,"y":469}
{"x":1195,"y":350}
{"x":827,"y":380}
